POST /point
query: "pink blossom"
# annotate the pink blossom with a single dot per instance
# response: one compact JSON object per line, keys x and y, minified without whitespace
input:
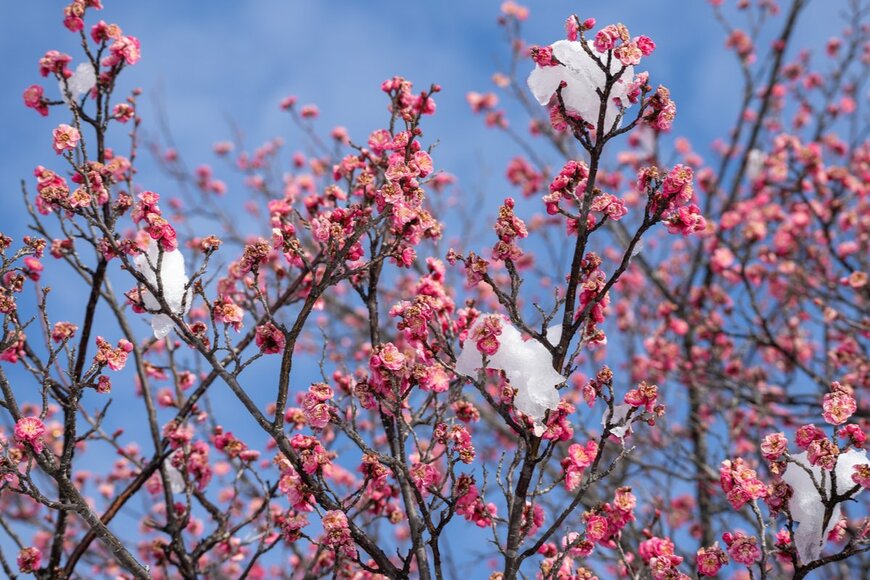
{"x":740,"y":483}
{"x":55,"y":62}
{"x":66,"y":138}
{"x":579,"y":458}
{"x":337,"y":533}
{"x":823,"y":452}
{"x":838,"y":407}
{"x":30,"y":430}
{"x":125,"y":49}
{"x":628,"y":54}
{"x":742,"y":548}
{"x":424,"y":476}
{"x":29,"y":560}
{"x":806,"y":434}
{"x":315,"y":405}
{"x":228,"y":312}
{"x":861,"y":475}
{"x":710,"y":560}
{"x":34,"y":99}
{"x":511,"y":8}
{"x":269,"y":338}
{"x":606,"y":38}
{"x":645,"y":44}
{"x":773,"y":446}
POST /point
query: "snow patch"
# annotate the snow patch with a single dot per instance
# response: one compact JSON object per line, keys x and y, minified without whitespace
{"x":528,"y":366}
{"x":584,"y":78}
{"x":173,"y":279}
{"x":80,"y":83}
{"x":806,"y":504}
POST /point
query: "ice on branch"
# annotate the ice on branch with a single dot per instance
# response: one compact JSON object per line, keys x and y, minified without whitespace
{"x":583,"y":78}
{"x":80,"y":83}
{"x":527,"y":364}
{"x":806,"y":504}
{"x":173,"y":279}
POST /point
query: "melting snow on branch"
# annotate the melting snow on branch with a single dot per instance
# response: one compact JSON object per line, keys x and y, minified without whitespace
{"x":174,"y":280}
{"x":620,"y":412}
{"x":528,"y":366}
{"x":806,"y":504}
{"x":80,"y":83}
{"x":583,"y":78}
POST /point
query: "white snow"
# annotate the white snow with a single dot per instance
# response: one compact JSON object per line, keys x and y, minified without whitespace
{"x":80,"y":83}
{"x":806,"y":504}
{"x":620,"y":412}
{"x":583,"y":77}
{"x":176,"y":480}
{"x":754,"y":164}
{"x":528,"y":366}
{"x":172,"y":277}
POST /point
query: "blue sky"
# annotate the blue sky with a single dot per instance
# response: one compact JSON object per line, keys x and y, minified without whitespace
{"x":210,"y":62}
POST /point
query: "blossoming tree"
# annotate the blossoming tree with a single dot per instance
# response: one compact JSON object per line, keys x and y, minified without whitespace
{"x":658,"y":369}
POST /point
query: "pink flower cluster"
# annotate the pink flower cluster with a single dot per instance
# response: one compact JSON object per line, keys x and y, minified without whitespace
{"x":628,"y":50}
{"x":470,"y":504}
{"x":233,"y":447}
{"x":55,"y":62}
{"x":742,"y":548}
{"x":156,"y":225}
{"x":710,"y":560}
{"x":543,"y":56}
{"x":838,"y":405}
{"x":485,"y":335}
{"x":337,"y":533}
{"x":66,"y":138}
{"x":610,"y":205}
{"x":73,"y":13}
{"x":226,"y":311}
{"x":29,"y":560}
{"x":30,"y":430}
{"x":662,"y":110}
{"x":508,"y":228}
{"x":34,"y":99}
{"x":315,"y":405}
{"x":570,"y":183}
{"x":114,"y":358}
{"x":658,"y":554}
{"x":312,"y":455}
{"x":740,"y":483}
{"x":575,"y":463}
{"x":407,"y":104}
{"x":269,"y":338}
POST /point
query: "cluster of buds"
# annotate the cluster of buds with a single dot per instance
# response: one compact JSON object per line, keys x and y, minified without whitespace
{"x":114,"y":358}
{"x":627,"y":50}
{"x":147,"y":210}
{"x":469,"y":503}
{"x":575,"y":463}
{"x":570,"y":184}
{"x":508,"y":228}
{"x":404,"y":102}
{"x":315,"y":405}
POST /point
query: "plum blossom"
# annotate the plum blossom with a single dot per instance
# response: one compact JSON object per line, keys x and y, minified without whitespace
{"x":710,"y":560}
{"x":30,"y":430}
{"x":173,"y":280}
{"x":583,"y":78}
{"x":527,"y":365}
{"x":742,"y":548}
{"x":66,"y":138}
{"x":29,"y":560}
